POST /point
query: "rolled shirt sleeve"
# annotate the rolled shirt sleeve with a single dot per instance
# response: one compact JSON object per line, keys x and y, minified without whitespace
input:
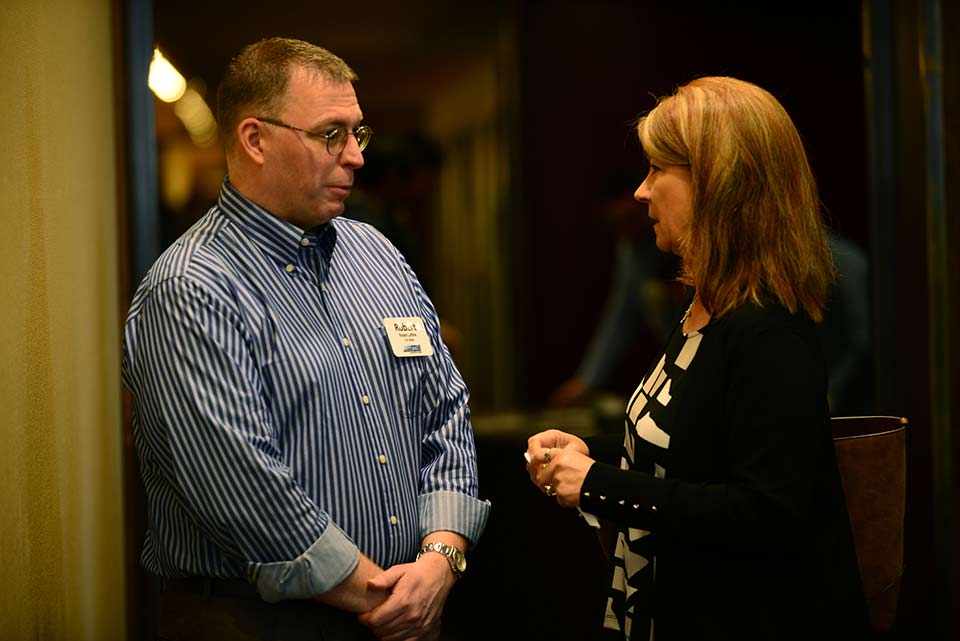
{"x":326,"y":564}
{"x":214,"y":450}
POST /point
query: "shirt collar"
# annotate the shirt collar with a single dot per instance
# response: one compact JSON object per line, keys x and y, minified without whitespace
{"x":277,"y":237}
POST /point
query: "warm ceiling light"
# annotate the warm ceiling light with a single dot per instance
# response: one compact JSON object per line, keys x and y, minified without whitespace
{"x":164,"y":79}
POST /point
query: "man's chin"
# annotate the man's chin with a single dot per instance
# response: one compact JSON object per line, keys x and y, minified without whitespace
{"x":329,"y":211}
{"x":316,"y":218}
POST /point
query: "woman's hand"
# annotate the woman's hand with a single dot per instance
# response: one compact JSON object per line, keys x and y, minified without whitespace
{"x":557,"y":463}
{"x":551,"y":439}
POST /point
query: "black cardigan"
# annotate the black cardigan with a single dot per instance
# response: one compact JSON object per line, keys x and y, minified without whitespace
{"x":752,"y":535}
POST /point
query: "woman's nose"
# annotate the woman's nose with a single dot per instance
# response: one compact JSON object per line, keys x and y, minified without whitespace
{"x":642,"y":193}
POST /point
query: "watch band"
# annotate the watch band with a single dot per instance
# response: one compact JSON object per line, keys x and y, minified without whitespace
{"x":455,"y":557}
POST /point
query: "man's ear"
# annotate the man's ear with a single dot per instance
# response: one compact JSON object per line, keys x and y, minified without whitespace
{"x":249,"y":139}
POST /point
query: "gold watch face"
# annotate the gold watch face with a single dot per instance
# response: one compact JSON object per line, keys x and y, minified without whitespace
{"x":459,"y":560}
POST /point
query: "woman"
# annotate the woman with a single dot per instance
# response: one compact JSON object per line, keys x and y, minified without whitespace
{"x":725,"y":490}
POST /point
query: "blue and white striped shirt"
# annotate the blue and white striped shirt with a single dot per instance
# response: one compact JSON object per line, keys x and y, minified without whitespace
{"x":277,"y":433}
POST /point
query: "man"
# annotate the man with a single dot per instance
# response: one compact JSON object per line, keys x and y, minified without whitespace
{"x":303,"y":434}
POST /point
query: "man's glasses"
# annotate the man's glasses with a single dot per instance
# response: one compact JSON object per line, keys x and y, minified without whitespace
{"x":336,"y":139}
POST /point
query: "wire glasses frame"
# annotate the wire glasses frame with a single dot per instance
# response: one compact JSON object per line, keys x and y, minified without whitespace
{"x":336,"y":139}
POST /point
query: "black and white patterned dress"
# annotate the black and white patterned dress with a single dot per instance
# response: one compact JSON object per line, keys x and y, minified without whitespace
{"x":648,"y":424}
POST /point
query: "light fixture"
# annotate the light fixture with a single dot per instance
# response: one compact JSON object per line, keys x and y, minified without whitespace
{"x":164,"y":79}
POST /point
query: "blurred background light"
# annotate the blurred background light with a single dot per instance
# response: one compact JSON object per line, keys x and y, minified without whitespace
{"x":164,"y":79}
{"x":193,"y":112}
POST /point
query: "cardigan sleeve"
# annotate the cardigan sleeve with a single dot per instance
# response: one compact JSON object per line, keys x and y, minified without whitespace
{"x":768,"y":455}
{"x":607,"y":448}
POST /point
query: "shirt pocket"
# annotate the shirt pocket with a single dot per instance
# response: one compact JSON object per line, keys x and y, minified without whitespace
{"x":415,"y":380}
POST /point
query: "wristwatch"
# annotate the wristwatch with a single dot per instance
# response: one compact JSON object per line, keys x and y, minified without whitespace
{"x":458,"y":562}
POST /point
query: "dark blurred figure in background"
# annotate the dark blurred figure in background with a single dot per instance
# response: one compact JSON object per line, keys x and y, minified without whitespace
{"x":644,"y":300}
{"x":394,"y":194}
{"x":845,"y":330}
{"x":395,"y":190}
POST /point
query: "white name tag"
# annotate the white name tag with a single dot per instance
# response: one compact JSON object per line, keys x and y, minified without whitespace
{"x":408,"y":336}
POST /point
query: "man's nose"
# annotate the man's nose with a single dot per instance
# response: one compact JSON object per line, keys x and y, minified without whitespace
{"x":351,"y":156}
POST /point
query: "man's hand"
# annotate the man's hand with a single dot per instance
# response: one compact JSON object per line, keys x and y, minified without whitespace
{"x":417,"y":594}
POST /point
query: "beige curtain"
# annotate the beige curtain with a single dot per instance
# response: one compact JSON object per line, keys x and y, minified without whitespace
{"x":61,"y":538}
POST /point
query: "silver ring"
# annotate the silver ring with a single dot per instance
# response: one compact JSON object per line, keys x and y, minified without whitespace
{"x":547,"y":489}
{"x":546,"y":455}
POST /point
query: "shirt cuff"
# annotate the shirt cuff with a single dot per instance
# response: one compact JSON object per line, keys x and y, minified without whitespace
{"x":454,"y":512}
{"x":324,"y":566}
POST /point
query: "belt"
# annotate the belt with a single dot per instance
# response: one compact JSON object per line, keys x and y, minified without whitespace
{"x":208,"y":587}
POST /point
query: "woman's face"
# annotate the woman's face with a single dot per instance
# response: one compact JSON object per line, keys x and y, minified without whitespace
{"x":669,"y":197}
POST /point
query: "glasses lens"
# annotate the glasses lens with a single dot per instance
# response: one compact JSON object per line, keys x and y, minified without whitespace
{"x":337,"y":142}
{"x":363,"y":134}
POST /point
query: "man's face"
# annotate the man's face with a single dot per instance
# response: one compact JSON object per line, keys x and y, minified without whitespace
{"x":308,"y":183}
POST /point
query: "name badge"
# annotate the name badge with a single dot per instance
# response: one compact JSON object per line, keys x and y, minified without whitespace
{"x":408,"y":336}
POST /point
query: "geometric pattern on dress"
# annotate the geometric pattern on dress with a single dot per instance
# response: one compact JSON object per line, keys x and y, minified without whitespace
{"x":647,"y":423}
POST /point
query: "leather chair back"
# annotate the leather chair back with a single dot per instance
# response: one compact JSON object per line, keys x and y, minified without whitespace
{"x":871,"y":453}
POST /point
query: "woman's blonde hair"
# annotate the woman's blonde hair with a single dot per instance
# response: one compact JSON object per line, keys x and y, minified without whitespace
{"x":757,"y":232}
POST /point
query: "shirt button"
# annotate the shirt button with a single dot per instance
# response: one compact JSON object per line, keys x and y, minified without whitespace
{"x":366,"y":399}
{"x":289,"y":268}
{"x":345,"y":341}
{"x":382,"y":458}
{"x":305,"y":241}
{"x":393,"y":520}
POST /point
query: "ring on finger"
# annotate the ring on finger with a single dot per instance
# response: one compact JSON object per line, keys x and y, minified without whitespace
{"x":548,"y":489}
{"x":546,"y":455}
